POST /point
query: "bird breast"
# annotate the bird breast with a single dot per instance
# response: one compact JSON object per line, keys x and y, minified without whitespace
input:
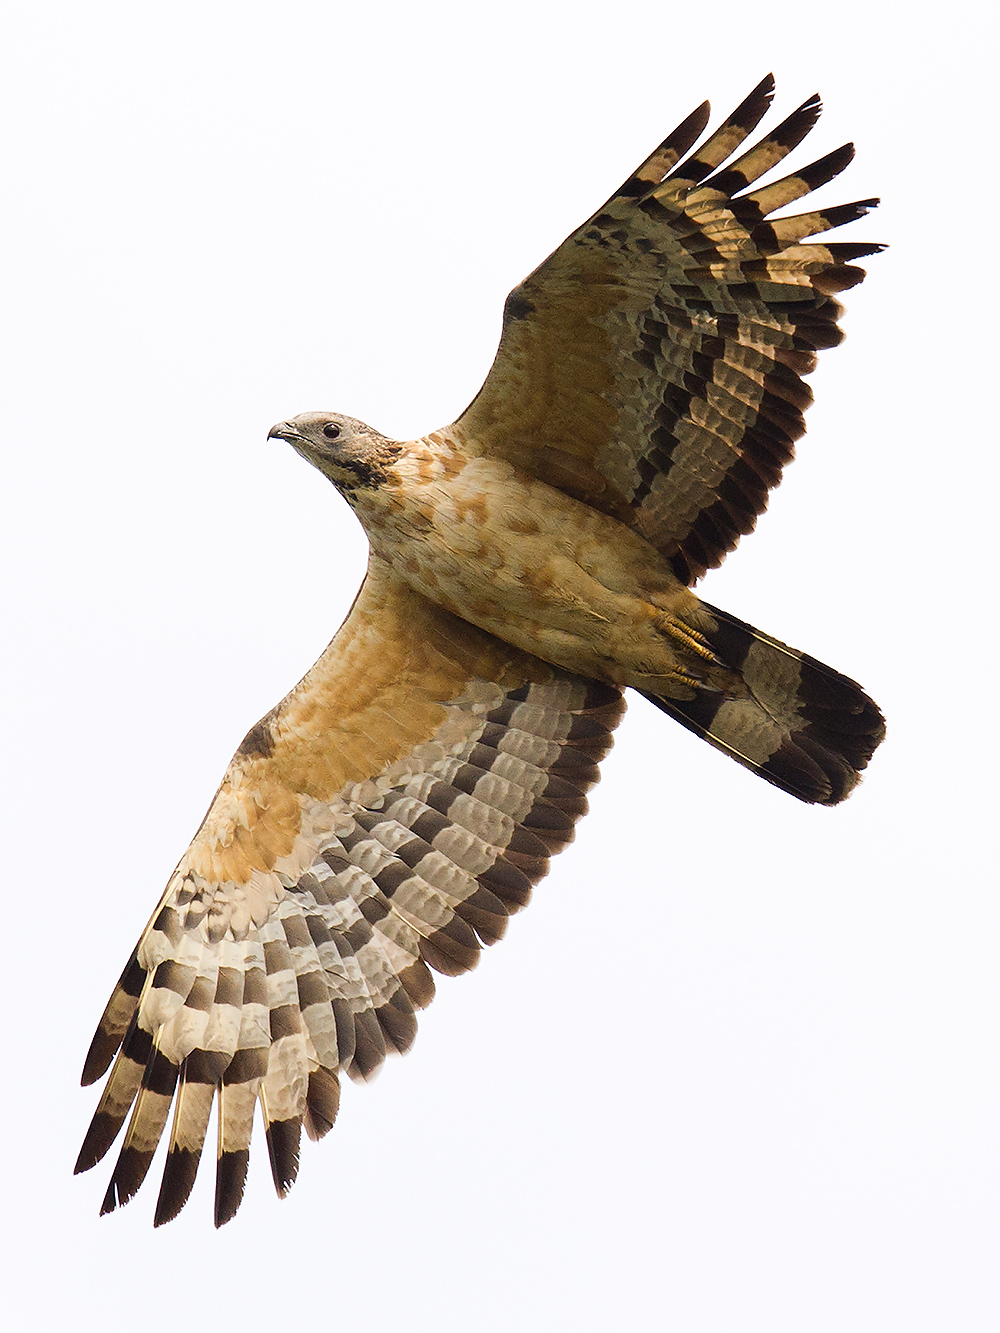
{"x":522,"y":560}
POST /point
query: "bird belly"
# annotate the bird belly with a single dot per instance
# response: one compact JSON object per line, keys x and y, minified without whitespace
{"x":543,"y":572}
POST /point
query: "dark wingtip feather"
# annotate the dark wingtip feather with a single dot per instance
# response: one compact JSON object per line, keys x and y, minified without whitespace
{"x":101,"y":1133}
{"x":838,"y":278}
{"x":825,"y":168}
{"x":849,"y":250}
{"x":794,"y":128}
{"x":660,"y":161}
{"x":737,"y":175}
{"x":841,"y":214}
{"x":230,"y":1182}
{"x":102,"y":1051}
{"x":717,"y":147}
{"x":179,"y":1173}
{"x":283,"y":1138}
{"x":108,"y":1036}
{"x":698,"y":117}
{"x":752,"y":109}
{"x":398,"y":1022}
{"x":130,"y":1171}
{"x":680,"y":139}
{"x":322,"y":1102}
{"x":764,"y":90}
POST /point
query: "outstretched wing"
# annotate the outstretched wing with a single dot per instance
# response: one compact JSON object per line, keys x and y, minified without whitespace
{"x":652,"y":365}
{"x":383,"y":820}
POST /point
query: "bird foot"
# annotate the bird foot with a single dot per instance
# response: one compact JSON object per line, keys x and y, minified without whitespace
{"x":689,"y":638}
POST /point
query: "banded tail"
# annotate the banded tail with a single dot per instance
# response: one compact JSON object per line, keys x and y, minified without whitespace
{"x":799,"y":724}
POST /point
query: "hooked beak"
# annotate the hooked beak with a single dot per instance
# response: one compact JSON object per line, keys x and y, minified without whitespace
{"x":284,"y":430}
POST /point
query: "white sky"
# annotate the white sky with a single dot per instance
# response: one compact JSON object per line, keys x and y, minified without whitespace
{"x":735,"y":1068}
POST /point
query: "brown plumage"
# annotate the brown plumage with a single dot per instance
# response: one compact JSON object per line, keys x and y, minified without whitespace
{"x":529,"y":563}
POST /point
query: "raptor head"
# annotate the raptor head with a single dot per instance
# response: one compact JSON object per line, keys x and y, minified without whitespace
{"x":352,"y":455}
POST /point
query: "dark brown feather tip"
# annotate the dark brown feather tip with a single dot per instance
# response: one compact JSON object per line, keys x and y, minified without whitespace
{"x":398,"y":1023}
{"x":322,"y":1102}
{"x":179,"y":1173}
{"x":283,"y":1149}
{"x":108,"y":1036}
{"x":230,"y":1182}
{"x":130,"y":1171}
{"x":101,"y":1134}
{"x":369,"y":1046}
{"x":717,"y":147}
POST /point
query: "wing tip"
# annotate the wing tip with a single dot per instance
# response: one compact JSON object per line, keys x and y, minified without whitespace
{"x":230,"y":1183}
{"x":283,"y":1139}
{"x":755,"y":104}
{"x":179,"y":1172}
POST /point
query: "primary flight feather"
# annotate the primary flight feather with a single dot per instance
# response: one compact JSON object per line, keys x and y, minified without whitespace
{"x":528,"y":563}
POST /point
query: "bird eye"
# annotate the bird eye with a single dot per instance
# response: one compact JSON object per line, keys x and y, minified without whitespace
{"x":331,"y":430}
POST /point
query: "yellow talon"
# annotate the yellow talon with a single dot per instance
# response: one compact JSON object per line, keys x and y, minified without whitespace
{"x":686,"y":678}
{"x":690,"y":638}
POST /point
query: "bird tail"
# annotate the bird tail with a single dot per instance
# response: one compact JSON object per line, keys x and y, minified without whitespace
{"x":798,"y":723}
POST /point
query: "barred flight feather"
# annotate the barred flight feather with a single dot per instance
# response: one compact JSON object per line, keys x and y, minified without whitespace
{"x":420,"y":872}
{"x":677,"y":259}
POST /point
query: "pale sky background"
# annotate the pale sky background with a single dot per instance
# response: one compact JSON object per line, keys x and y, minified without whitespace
{"x":735,"y":1069}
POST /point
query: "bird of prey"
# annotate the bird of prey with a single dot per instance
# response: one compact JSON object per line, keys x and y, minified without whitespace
{"x":528,"y":563}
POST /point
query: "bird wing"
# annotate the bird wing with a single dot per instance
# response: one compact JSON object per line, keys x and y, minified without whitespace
{"x":652,"y":365}
{"x":383,"y":820}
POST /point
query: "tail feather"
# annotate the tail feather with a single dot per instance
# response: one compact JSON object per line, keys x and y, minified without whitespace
{"x":799,"y":724}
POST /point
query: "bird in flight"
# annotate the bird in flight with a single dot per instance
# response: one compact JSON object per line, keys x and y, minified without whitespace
{"x":528,"y":563}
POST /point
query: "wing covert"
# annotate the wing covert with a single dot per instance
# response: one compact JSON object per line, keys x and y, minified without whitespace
{"x":652,"y":365}
{"x":384,"y":820}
